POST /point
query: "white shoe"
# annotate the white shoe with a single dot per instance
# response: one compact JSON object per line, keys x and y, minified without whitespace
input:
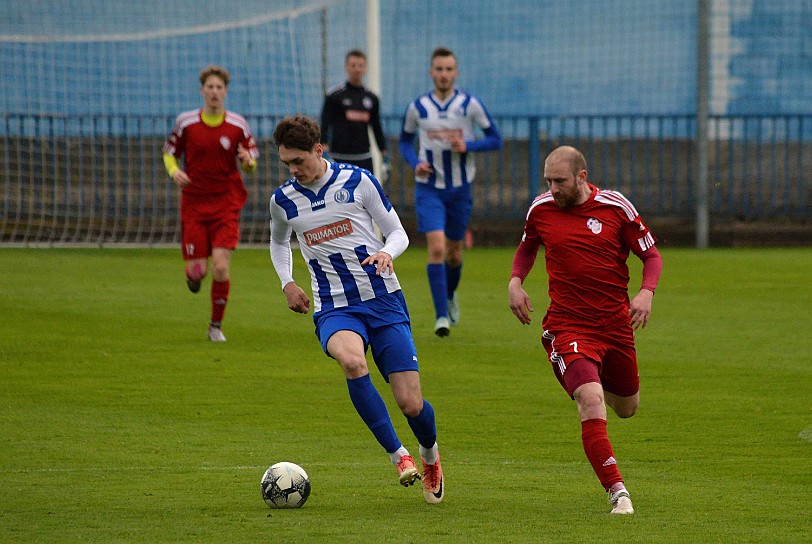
{"x":433,"y":482}
{"x":620,"y":502}
{"x":453,"y":310}
{"x":216,"y":334}
{"x":441,"y":326}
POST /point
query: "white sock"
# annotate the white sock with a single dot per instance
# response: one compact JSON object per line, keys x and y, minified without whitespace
{"x":397,"y":454}
{"x":429,"y":455}
{"x":617,"y":487}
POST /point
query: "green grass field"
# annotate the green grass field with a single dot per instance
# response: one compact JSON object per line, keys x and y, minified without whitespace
{"x":120,"y":422}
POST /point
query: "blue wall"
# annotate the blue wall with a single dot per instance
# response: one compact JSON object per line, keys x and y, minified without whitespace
{"x":522,"y":57}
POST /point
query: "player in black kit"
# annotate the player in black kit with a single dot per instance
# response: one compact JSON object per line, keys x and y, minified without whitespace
{"x":348,"y":110}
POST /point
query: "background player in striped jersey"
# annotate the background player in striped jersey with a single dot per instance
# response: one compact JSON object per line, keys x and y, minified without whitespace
{"x":211,"y":140}
{"x":445,"y":120}
{"x":357,"y":300}
{"x":587,"y":234}
{"x":349,"y":110}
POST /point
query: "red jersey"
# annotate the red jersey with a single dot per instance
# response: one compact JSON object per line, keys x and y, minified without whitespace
{"x":210,"y":157}
{"x":586,"y":248}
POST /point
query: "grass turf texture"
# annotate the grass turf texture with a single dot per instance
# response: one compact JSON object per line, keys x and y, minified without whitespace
{"x":121,"y":423}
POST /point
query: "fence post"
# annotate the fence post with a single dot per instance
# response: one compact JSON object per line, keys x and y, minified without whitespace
{"x":533,"y":157}
{"x":701,"y":141}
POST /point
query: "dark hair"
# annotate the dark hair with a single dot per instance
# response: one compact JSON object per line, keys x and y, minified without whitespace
{"x":442,"y":52}
{"x":354,"y":53}
{"x":213,"y":70}
{"x":297,"y":132}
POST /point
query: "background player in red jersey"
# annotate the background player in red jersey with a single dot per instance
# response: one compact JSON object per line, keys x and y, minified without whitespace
{"x":211,"y":141}
{"x":587,"y":234}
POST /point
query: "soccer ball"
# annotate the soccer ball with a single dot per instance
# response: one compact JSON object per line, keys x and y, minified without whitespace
{"x":285,"y":485}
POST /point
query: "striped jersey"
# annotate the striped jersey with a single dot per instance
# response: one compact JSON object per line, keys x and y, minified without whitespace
{"x":586,"y":248}
{"x":435,"y":124}
{"x":333,"y":221}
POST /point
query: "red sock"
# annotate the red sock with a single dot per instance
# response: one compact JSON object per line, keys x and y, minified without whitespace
{"x":219,"y":298}
{"x":194,"y":272}
{"x":599,"y":451}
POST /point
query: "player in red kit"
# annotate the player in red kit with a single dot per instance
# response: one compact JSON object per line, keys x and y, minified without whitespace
{"x":587,"y":234}
{"x":211,"y":140}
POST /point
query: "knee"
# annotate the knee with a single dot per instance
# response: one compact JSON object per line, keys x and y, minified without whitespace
{"x":436,"y":254}
{"x":590,"y":402}
{"x":624,"y":407}
{"x":590,"y":405}
{"x":353,"y":366}
{"x":626,"y":411}
{"x":411,"y":406}
{"x":220,"y":271}
{"x":454,"y":256}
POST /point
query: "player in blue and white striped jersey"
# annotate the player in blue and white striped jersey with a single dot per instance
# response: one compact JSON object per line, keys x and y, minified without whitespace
{"x":445,"y":121}
{"x":358,"y":303}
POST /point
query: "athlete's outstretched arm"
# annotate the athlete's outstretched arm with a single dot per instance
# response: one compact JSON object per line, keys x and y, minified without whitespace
{"x":180,"y":177}
{"x":491,"y":142}
{"x":640,"y":305}
{"x":282,"y":259}
{"x":523,"y":261}
{"x":407,"y":150}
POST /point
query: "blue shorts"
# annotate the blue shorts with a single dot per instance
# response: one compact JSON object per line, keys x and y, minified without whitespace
{"x":383,"y":323}
{"x":448,"y":210}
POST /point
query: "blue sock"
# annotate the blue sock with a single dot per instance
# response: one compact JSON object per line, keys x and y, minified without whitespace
{"x":437,"y":284}
{"x":452,"y":278}
{"x":370,"y":406}
{"x":423,"y":426}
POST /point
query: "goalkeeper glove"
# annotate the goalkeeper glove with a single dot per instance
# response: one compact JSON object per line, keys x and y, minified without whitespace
{"x":386,"y":170}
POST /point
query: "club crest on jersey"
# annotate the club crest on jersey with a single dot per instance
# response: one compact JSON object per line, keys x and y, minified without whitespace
{"x":594,"y":225}
{"x":342,"y":196}
{"x":225,"y":142}
{"x":328,"y":232}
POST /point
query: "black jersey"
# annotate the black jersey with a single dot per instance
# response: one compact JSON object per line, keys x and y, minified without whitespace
{"x":347,"y":111}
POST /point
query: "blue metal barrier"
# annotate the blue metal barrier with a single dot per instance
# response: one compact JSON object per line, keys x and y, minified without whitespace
{"x":100,"y":179}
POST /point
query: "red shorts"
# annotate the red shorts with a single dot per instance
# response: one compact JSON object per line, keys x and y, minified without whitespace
{"x":614,"y":356}
{"x":198,"y":236}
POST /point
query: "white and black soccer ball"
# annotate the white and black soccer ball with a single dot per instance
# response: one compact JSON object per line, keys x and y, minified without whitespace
{"x":285,"y":485}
